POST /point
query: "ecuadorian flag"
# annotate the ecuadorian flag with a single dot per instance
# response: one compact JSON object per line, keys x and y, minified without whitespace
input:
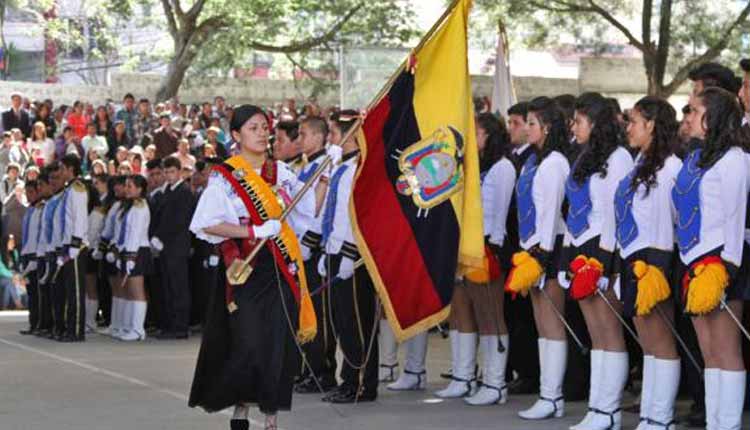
{"x":416,"y":205}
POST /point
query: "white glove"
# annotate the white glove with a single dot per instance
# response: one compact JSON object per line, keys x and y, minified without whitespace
{"x":73,"y":252}
{"x":335,"y":152}
{"x":118,"y":264}
{"x":305,"y":252}
{"x":96,"y":255}
{"x":129,"y":266}
{"x":60,"y":261}
{"x":204,"y":263}
{"x":562,"y":279}
{"x":43,"y":278}
{"x":322,"y":266}
{"x":346,"y":269}
{"x":602,"y":283}
{"x":213,"y":261}
{"x":110,"y":257}
{"x":157,"y":244}
{"x":268,"y":229}
{"x":30,"y":267}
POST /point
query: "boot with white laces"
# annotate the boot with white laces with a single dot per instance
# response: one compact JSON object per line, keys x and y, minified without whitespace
{"x":553,"y":357}
{"x":607,"y":411}
{"x":666,"y":382}
{"x":595,"y":382}
{"x":493,"y":389}
{"x":388,"y":353}
{"x":414,"y":376}
{"x":464,"y":362}
{"x":137,"y":316}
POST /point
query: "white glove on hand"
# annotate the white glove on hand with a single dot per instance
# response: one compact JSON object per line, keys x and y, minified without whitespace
{"x":43,"y":278}
{"x":268,"y":229}
{"x":110,"y":257}
{"x":322,"y":266}
{"x":129,"y":266}
{"x":562,"y":279}
{"x":30,"y":267}
{"x":60,"y":261}
{"x":335,"y":152}
{"x":118,"y":264}
{"x":346,"y":269}
{"x":96,"y":255}
{"x":73,"y":252}
{"x":157,"y":244}
{"x":213,"y":261}
{"x":602,"y":284}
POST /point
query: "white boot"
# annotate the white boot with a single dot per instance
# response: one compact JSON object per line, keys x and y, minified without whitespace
{"x":647,"y":389}
{"x":388,"y":353}
{"x":126,"y":319}
{"x":414,"y":376}
{"x":732,"y":399}
{"x":595,"y":382}
{"x":112,"y":329}
{"x":464,"y":362}
{"x":137,"y":317}
{"x":493,"y":389}
{"x":92,"y":307}
{"x":665,"y":383}
{"x":614,"y":375}
{"x":711,"y":383}
{"x":553,"y":358}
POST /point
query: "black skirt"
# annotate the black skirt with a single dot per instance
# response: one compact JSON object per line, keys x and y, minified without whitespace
{"x":664,"y":260}
{"x":249,"y":356}
{"x":556,"y":258}
{"x":143,"y":263}
{"x":738,"y":286}
{"x":92,"y":266}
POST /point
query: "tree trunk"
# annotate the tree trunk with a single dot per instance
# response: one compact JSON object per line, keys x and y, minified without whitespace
{"x":170,"y":84}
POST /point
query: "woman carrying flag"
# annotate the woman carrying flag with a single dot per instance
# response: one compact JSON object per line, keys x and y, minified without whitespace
{"x":249,"y":353}
{"x":540,"y":192}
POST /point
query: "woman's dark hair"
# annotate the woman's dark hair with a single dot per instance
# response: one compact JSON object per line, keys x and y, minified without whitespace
{"x":498,"y":141}
{"x":553,"y":118}
{"x":606,"y":136}
{"x":242,"y":114}
{"x":723,"y":119}
{"x":139,"y":182}
{"x":664,"y":139}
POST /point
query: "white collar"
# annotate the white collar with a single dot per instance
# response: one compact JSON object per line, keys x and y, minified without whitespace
{"x":519,"y":149}
{"x":176,"y":184}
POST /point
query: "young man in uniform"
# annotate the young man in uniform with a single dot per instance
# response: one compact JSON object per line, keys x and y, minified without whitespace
{"x":29,"y":235}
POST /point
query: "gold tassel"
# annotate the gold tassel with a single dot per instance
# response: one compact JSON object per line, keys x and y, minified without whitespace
{"x":706,"y":288}
{"x":653,"y":287}
{"x":525,"y":274}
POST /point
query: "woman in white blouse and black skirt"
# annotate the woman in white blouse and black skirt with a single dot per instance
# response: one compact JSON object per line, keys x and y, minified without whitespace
{"x":249,"y":354}
{"x":540,"y":191}
{"x":645,"y":239}
{"x":710,"y":195}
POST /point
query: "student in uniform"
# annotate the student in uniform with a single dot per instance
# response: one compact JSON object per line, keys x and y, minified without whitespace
{"x":108,"y":248}
{"x":644,"y":218}
{"x":73,"y":215}
{"x":320,"y":353}
{"x":53,"y":233}
{"x":31,"y":227}
{"x":589,"y":274}
{"x":46,"y":324}
{"x":710,"y":195}
{"x":477,"y":304}
{"x":539,"y":195}
{"x":135,"y":256}
{"x":97,"y":216}
{"x":249,"y":354}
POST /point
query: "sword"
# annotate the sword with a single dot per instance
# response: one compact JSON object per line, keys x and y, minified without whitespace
{"x":680,"y":340}
{"x":619,"y":317}
{"x":736,"y":320}
{"x":581,"y":346}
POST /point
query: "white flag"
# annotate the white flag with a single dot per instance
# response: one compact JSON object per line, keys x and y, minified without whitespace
{"x":503,"y":95}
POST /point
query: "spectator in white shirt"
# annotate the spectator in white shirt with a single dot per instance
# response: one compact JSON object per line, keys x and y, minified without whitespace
{"x":94,"y":142}
{"x":41,"y":147}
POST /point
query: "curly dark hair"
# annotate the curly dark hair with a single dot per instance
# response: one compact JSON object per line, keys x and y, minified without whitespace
{"x":606,"y":136}
{"x":548,"y":112}
{"x":664,"y":139}
{"x":723,"y":119}
{"x":498,"y":140}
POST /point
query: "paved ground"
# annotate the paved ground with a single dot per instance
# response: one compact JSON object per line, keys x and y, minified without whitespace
{"x":110,"y":385}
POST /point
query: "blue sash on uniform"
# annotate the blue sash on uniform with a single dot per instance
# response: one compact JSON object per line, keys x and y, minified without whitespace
{"x":123,"y":229}
{"x":627,"y":229}
{"x":49,"y":217}
{"x":525,"y":200}
{"x":25,"y":228}
{"x":579,"y":200}
{"x":304,"y":175}
{"x":330,"y":211}
{"x":64,"y":199}
{"x":686,"y":198}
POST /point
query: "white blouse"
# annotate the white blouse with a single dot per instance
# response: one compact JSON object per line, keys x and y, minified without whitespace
{"x":497,"y":190}
{"x":219,"y":203}
{"x":548,"y":194}
{"x":136,"y":221}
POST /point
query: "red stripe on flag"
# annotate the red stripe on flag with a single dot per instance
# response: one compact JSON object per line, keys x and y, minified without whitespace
{"x":387,"y":232}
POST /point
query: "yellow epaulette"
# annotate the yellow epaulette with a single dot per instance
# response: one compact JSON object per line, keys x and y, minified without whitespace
{"x":78,"y":186}
{"x":139,"y":203}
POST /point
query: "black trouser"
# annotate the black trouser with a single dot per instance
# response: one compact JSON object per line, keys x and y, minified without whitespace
{"x":203,"y":278}
{"x":57,"y":284}
{"x":321,"y":351}
{"x":73,"y":275}
{"x":46,"y":321}
{"x":155,"y":288}
{"x":32,"y":289}
{"x":523,"y":357}
{"x":354,"y":304}
{"x":176,"y":292}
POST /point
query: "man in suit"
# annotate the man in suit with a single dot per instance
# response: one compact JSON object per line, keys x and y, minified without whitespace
{"x":16,"y":116}
{"x":157,"y":184}
{"x":172,"y":239}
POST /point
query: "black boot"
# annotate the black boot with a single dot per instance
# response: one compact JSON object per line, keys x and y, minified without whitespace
{"x":239,"y":424}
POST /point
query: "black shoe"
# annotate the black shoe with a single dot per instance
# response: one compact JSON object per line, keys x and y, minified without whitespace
{"x":69,"y":338}
{"x":42,"y":333}
{"x":308,"y":386}
{"x":28,"y":332}
{"x":181,"y":335}
{"x":349,"y":395}
{"x":166,"y":335}
{"x":239,"y":424}
{"x":523,"y":386}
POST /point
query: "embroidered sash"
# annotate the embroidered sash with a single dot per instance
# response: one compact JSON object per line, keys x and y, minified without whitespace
{"x":263,"y":203}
